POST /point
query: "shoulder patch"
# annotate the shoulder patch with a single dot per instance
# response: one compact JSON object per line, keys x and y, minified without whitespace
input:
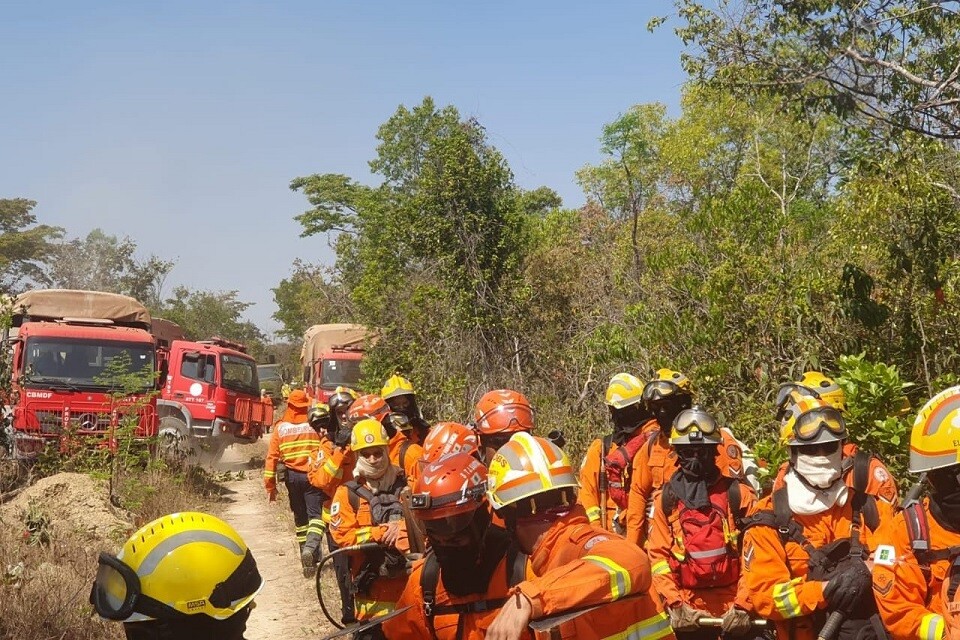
{"x":882,"y":582}
{"x":733,"y":451}
{"x":885,"y":555}
{"x":334,"y":508}
{"x":589,"y":544}
{"x":881,"y":474}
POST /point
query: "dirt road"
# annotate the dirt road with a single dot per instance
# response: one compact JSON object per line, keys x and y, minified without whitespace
{"x":287,"y":606}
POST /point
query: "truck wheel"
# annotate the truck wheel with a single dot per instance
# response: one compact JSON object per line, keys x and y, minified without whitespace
{"x":173,"y":440}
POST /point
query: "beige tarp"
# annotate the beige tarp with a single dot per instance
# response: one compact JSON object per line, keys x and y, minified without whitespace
{"x":68,"y":303}
{"x":322,"y":337}
{"x":166,"y":331}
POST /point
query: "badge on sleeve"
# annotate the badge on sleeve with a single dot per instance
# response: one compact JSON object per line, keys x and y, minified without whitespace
{"x":885,"y":555}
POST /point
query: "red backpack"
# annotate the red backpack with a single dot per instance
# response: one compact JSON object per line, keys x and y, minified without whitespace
{"x":706,"y":549}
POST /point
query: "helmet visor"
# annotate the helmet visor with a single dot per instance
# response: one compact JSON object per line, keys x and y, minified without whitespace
{"x":809,"y":425}
{"x":448,"y":526}
{"x":506,"y":418}
{"x":657,"y":389}
{"x":689,"y":420}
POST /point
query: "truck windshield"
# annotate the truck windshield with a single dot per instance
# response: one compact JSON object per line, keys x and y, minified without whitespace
{"x":340,"y":372}
{"x":127,"y":367}
{"x":240,"y":374}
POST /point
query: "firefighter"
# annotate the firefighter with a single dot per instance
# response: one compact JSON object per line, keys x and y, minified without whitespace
{"x":185,"y":575}
{"x":573,"y":562}
{"x":694,"y":544}
{"x":606,"y":467}
{"x":293,"y":443}
{"x":465,"y":578}
{"x":813,"y":384}
{"x":400,"y":395}
{"x":334,"y":462}
{"x":666,"y":395}
{"x":367,"y":509}
{"x":404,"y":452}
{"x":804,"y":546}
{"x":500,"y":414}
{"x":915,"y":568}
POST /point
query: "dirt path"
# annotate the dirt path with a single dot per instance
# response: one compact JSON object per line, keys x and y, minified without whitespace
{"x":287,"y":606}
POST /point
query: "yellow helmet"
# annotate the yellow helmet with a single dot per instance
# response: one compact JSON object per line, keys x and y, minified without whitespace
{"x":183,"y":563}
{"x":812,"y":384}
{"x":397,"y":385}
{"x":342,"y":396}
{"x":694,"y":426}
{"x":812,"y":421}
{"x":666,"y":383}
{"x":319,"y":411}
{"x":525,"y":467}
{"x":935,"y":433}
{"x":367,"y":433}
{"x":624,"y":390}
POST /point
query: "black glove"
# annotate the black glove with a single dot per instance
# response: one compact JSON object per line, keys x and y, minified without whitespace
{"x":342,"y":438}
{"x":847,"y":589}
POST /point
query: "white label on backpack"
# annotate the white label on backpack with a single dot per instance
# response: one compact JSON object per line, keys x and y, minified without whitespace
{"x":885,"y":555}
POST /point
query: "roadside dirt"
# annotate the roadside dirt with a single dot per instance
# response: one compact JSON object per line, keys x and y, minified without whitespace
{"x":287,"y":606}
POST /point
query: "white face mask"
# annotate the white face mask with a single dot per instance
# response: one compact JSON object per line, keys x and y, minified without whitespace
{"x":819,"y":471}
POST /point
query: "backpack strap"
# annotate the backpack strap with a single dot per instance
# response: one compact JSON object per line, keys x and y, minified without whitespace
{"x":781,"y":519}
{"x":404,"y":447}
{"x":429,"y":578}
{"x":354,"y":491}
{"x":864,"y":505}
{"x":734,"y":498}
{"x":516,"y":565}
{"x":605,"y":443}
{"x":919,"y":529}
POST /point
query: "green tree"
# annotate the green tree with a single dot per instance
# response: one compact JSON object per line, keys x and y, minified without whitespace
{"x":309,"y":296}
{"x":24,"y":248}
{"x":204,"y":314}
{"x":102,"y":262}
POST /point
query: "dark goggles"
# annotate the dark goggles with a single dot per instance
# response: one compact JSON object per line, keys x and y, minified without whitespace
{"x":808,"y":426}
{"x":691,"y":419}
{"x":659,"y":389}
{"x":400,"y":421}
{"x":449,"y":526}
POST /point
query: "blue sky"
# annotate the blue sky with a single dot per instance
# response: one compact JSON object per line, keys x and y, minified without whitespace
{"x":181,"y":124}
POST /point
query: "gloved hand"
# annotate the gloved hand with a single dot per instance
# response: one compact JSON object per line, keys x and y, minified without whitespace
{"x":735,"y":622}
{"x":272,"y":495}
{"x":847,"y":589}
{"x":411,"y":559}
{"x":342,"y":438}
{"x":685,"y":617}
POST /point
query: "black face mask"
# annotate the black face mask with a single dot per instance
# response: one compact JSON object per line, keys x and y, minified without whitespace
{"x":461,"y":565}
{"x":628,"y":419}
{"x":697,"y":462}
{"x":667,"y":409}
{"x":945,"y":496}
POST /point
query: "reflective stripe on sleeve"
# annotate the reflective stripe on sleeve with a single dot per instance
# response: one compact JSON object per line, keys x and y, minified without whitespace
{"x":931,"y":627}
{"x":593,"y":513}
{"x":650,"y":629}
{"x":620,"y":582}
{"x":332,"y":469}
{"x":369,"y":609}
{"x":269,"y":474}
{"x":660,"y":567}
{"x":785,"y":598}
{"x":363,"y":535}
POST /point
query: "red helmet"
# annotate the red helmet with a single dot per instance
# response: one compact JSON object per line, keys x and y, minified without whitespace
{"x":451,"y":490}
{"x":368,"y":406}
{"x":447,"y":438}
{"x":503,"y":411}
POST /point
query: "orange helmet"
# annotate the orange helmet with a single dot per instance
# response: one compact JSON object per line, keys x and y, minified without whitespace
{"x":450,"y":489}
{"x":448,"y":438}
{"x":368,"y":406}
{"x":503,"y":411}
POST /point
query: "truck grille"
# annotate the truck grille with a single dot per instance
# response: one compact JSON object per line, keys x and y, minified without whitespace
{"x":51,"y":421}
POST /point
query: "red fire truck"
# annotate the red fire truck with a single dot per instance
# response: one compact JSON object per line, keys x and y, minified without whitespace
{"x":210,"y":395}
{"x":65,"y":373}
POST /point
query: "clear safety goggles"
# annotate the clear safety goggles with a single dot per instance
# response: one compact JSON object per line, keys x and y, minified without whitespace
{"x":808,"y":426}
{"x":659,"y":389}
{"x":400,"y":422}
{"x":691,"y":421}
{"x":506,"y":417}
{"x":789,"y":393}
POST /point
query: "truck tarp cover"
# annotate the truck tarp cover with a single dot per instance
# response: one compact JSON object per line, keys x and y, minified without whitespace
{"x":67,"y":303}
{"x":320,"y":338}
{"x":166,"y":331}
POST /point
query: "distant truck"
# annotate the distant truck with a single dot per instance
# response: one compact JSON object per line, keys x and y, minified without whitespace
{"x":331,"y":357}
{"x":210,"y":393}
{"x":65,"y":347}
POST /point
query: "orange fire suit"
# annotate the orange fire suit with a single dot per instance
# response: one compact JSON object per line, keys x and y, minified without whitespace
{"x":880,"y":482}
{"x":666,"y":541}
{"x":412,"y":453}
{"x":349,"y":527}
{"x":578,"y":564}
{"x":654,"y":465}
{"x":294,"y":444}
{"x":472,"y":624}
{"x":330,"y":466}
{"x":773,"y":583}
{"x":590,"y":471}
{"x":910,"y":594}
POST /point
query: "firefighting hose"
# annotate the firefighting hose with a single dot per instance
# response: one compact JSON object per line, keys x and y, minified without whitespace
{"x":351,"y":549}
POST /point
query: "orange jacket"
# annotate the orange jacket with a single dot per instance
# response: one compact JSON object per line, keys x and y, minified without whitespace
{"x":589,"y":495}
{"x":909,"y":597}
{"x":413,"y":624}
{"x":773,"y":583}
{"x":578,"y":564}
{"x":330,"y":467}
{"x":293,"y":444}
{"x":664,"y":543}
{"x":880,"y":482}
{"x":653,"y":466}
{"x":349,"y":527}
{"x":411,"y":455}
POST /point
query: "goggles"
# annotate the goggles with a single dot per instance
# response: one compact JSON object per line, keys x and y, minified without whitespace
{"x":808,"y":426}
{"x":506,"y":416}
{"x":400,"y":421}
{"x":789,"y":393}
{"x":692,"y":421}
{"x":449,"y":526}
{"x":659,"y":389}
{"x":116,"y":593}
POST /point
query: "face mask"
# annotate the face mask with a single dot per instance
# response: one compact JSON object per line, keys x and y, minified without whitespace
{"x":373,"y":471}
{"x":697,"y":465}
{"x":819,"y":471}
